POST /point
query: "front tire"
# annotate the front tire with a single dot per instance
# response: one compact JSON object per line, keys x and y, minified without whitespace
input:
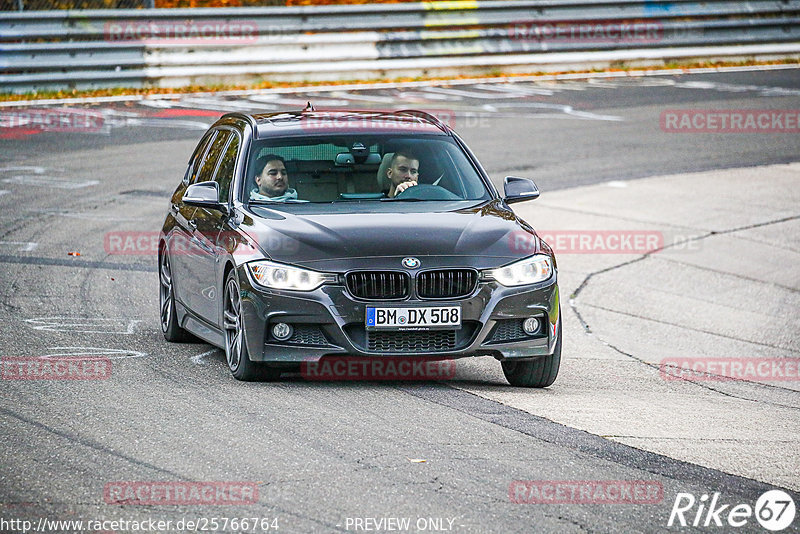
{"x":239,"y":363}
{"x":538,"y":373}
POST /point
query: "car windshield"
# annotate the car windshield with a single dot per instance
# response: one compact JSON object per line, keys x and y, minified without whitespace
{"x":360,"y":168}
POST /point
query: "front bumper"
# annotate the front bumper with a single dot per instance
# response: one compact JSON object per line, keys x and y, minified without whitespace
{"x":328,"y":321}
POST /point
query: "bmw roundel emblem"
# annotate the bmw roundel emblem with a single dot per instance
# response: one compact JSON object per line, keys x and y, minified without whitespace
{"x":410,"y":263}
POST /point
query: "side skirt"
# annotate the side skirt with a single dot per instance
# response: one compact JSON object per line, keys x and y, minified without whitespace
{"x":199,"y":327}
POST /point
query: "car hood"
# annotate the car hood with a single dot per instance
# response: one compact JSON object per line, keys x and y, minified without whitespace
{"x":481,"y":236}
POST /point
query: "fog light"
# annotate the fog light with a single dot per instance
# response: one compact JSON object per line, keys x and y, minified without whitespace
{"x":282,"y":331}
{"x":531,"y":325}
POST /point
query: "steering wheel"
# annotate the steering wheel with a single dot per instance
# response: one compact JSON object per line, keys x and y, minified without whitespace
{"x":428,"y":192}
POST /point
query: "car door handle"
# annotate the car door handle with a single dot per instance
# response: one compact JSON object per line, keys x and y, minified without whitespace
{"x":193,"y":224}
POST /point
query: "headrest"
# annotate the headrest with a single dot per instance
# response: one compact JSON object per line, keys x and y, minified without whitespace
{"x":383,"y":181}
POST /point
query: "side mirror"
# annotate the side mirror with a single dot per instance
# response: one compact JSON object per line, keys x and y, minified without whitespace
{"x":204,"y":195}
{"x":519,"y":189}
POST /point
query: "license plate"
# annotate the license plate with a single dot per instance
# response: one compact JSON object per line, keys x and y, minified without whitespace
{"x":428,"y":317}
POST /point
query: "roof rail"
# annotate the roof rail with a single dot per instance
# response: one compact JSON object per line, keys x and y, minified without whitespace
{"x":245,"y":116}
{"x":427,"y":116}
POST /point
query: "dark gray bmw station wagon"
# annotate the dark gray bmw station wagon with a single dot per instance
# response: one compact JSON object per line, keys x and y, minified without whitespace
{"x":300,"y":236}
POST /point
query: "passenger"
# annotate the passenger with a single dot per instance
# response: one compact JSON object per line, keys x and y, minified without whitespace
{"x":272,"y":180}
{"x":403,"y":172}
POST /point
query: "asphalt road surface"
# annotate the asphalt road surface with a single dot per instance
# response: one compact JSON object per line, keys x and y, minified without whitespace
{"x":320,"y":456}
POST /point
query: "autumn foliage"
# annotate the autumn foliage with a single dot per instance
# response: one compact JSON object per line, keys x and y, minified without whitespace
{"x":255,"y":3}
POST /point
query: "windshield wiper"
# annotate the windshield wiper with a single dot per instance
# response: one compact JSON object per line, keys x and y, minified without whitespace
{"x":288,"y":201}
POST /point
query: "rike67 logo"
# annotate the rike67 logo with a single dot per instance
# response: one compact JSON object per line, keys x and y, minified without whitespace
{"x":774,"y":510}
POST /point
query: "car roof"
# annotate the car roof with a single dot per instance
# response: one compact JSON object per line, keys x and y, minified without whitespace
{"x":322,"y":122}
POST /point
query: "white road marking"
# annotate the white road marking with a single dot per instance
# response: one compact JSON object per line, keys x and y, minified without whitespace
{"x":568,"y":110}
{"x":702,"y":85}
{"x":480,"y":95}
{"x":365,"y":98}
{"x":198,"y":359}
{"x":419,"y":96}
{"x":157,"y":103}
{"x":617,"y":183}
{"x":515,"y":90}
{"x":317,"y":102}
{"x":22,"y":246}
{"x":564,"y":85}
{"x":86,"y":216}
{"x":710,"y":85}
{"x":34,"y":170}
{"x":603,"y":83}
{"x":156,"y":122}
{"x":49,"y":181}
{"x":735,"y":88}
{"x":83,"y":352}
{"x":214,"y":104}
{"x":779,"y":91}
{"x":85,"y":325}
{"x":633,"y":81}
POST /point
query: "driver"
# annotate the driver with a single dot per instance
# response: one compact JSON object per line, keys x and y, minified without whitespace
{"x":403,"y":172}
{"x":272,"y":180}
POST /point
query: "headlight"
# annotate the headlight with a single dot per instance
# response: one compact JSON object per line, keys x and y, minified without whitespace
{"x":280,"y":276}
{"x":528,"y":271}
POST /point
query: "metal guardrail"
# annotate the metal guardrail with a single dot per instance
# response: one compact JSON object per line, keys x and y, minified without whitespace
{"x":174,"y":47}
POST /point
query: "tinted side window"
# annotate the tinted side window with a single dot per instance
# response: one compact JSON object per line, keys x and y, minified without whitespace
{"x":212,"y":156}
{"x":224,"y":175}
{"x":197,"y":158}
